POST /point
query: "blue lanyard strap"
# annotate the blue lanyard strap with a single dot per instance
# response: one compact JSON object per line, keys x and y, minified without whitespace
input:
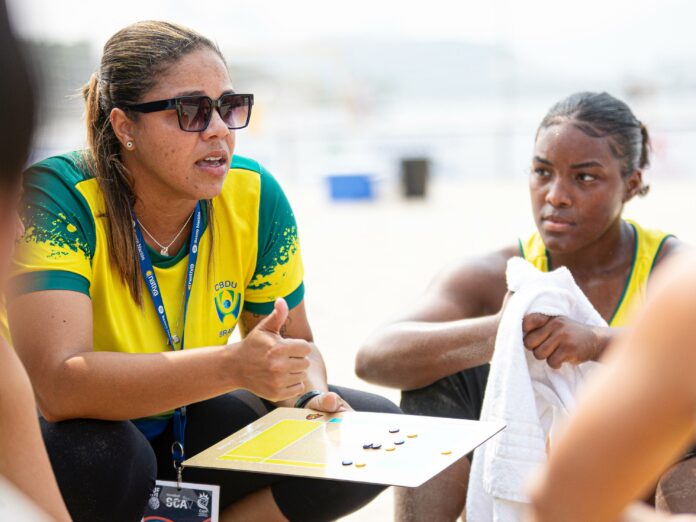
{"x":148,"y":272}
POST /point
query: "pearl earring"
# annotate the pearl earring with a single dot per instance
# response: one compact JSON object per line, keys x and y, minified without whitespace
{"x":129,"y":145}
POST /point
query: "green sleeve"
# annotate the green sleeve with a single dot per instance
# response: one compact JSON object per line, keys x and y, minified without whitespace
{"x":279,"y":271}
{"x":57,"y":248}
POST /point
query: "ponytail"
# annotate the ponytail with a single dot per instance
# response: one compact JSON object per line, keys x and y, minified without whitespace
{"x":104,"y":160}
{"x":94,"y":114}
{"x":644,"y":161}
{"x":600,"y":115}
{"x":132,"y":59}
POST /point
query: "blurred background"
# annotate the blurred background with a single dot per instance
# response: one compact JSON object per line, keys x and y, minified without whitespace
{"x":402,"y":131}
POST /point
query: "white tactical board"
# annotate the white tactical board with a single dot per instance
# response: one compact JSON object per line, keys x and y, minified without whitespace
{"x":405,"y":450}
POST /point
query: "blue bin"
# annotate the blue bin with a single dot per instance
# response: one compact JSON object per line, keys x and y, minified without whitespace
{"x":351,"y":187}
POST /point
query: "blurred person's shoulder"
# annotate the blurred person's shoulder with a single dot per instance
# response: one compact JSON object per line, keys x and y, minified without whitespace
{"x":675,"y":278}
{"x":667,"y":322}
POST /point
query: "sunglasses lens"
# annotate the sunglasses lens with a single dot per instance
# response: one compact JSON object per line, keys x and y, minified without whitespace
{"x":235,"y":110}
{"x":194,"y":113}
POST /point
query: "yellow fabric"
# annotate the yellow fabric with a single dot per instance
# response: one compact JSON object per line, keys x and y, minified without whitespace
{"x":221,"y":288}
{"x":647,"y":247}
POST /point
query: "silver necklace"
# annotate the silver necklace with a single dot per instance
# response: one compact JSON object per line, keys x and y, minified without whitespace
{"x":164,"y":249}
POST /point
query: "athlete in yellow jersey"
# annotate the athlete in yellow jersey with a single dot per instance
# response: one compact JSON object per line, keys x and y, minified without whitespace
{"x":589,"y":155}
{"x":141,"y":256}
{"x":647,"y":246}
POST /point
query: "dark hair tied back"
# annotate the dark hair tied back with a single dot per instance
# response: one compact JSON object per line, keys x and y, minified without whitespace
{"x":132,"y":61}
{"x":600,"y":115}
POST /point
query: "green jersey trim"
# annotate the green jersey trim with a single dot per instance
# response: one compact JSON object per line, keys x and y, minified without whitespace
{"x":277,"y":228}
{"x":49,"y":280}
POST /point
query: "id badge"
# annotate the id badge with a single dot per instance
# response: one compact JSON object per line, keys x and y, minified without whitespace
{"x":188,"y":503}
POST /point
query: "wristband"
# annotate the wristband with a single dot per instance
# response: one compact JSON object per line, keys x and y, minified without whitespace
{"x":302,"y":401}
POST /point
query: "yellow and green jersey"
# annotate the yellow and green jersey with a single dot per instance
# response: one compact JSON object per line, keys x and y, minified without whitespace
{"x":647,"y":247}
{"x":247,"y":258}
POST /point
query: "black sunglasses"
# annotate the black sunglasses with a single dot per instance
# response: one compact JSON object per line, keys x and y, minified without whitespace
{"x":195,"y":112}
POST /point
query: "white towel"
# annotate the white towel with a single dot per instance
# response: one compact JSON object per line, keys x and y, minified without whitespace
{"x":526,"y":394}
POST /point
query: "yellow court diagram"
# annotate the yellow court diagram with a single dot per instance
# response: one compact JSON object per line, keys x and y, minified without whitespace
{"x":271,"y":441}
{"x":377,"y":448}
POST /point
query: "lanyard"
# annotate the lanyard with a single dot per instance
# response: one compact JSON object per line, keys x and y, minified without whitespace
{"x":148,"y":272}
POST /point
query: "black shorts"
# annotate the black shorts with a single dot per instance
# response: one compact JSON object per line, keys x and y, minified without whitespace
{"x":106,"y":469}
{"x":458,"y":396}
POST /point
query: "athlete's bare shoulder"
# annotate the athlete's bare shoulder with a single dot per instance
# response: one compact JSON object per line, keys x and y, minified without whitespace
{"x":469,"y":287}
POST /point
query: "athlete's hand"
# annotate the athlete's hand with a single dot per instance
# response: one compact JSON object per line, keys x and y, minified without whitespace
{"x":269,"y":365}
{"x":560,"y":340}
{"x":328,"y":402}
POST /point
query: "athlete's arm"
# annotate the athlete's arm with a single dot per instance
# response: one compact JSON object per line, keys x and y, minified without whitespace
{"x":451,"y":329}
{"x":73,"y":381}
{"x":23,"y":457}
{"x":297,"y":327}
{"x":637,"y":417}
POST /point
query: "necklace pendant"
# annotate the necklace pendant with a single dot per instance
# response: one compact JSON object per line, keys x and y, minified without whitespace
{"x":164,"y":251}
{"x":176,"y":339}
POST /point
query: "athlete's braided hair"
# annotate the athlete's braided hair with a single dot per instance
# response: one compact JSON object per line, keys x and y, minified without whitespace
{"x":601,"y":115}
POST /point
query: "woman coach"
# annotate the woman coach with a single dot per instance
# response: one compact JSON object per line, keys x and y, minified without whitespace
{"x":154,"y":240}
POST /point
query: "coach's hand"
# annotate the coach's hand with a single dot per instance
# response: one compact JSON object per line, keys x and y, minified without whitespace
{"x":268,"y":365}
{"x":328,"y":402}
{"x":560,"y":340}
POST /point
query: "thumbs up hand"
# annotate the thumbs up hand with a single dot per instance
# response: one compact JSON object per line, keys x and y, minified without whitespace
{"x":270,"y":366}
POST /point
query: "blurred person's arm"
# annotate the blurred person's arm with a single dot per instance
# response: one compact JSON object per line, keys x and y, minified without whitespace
{"x":636,"y":418}
{"x":23,"y":458}
{"x":452,"y":328}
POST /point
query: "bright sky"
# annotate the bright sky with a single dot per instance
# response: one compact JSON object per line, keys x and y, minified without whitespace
{"x":581,"y":37}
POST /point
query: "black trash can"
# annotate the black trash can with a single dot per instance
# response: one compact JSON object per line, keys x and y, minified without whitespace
{"x":414,"y":177}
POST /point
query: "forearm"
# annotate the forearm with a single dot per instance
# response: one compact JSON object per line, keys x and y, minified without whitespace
{"x":23,"y":457}
{"x":410,"y":354}
{"x":117,"y":386}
